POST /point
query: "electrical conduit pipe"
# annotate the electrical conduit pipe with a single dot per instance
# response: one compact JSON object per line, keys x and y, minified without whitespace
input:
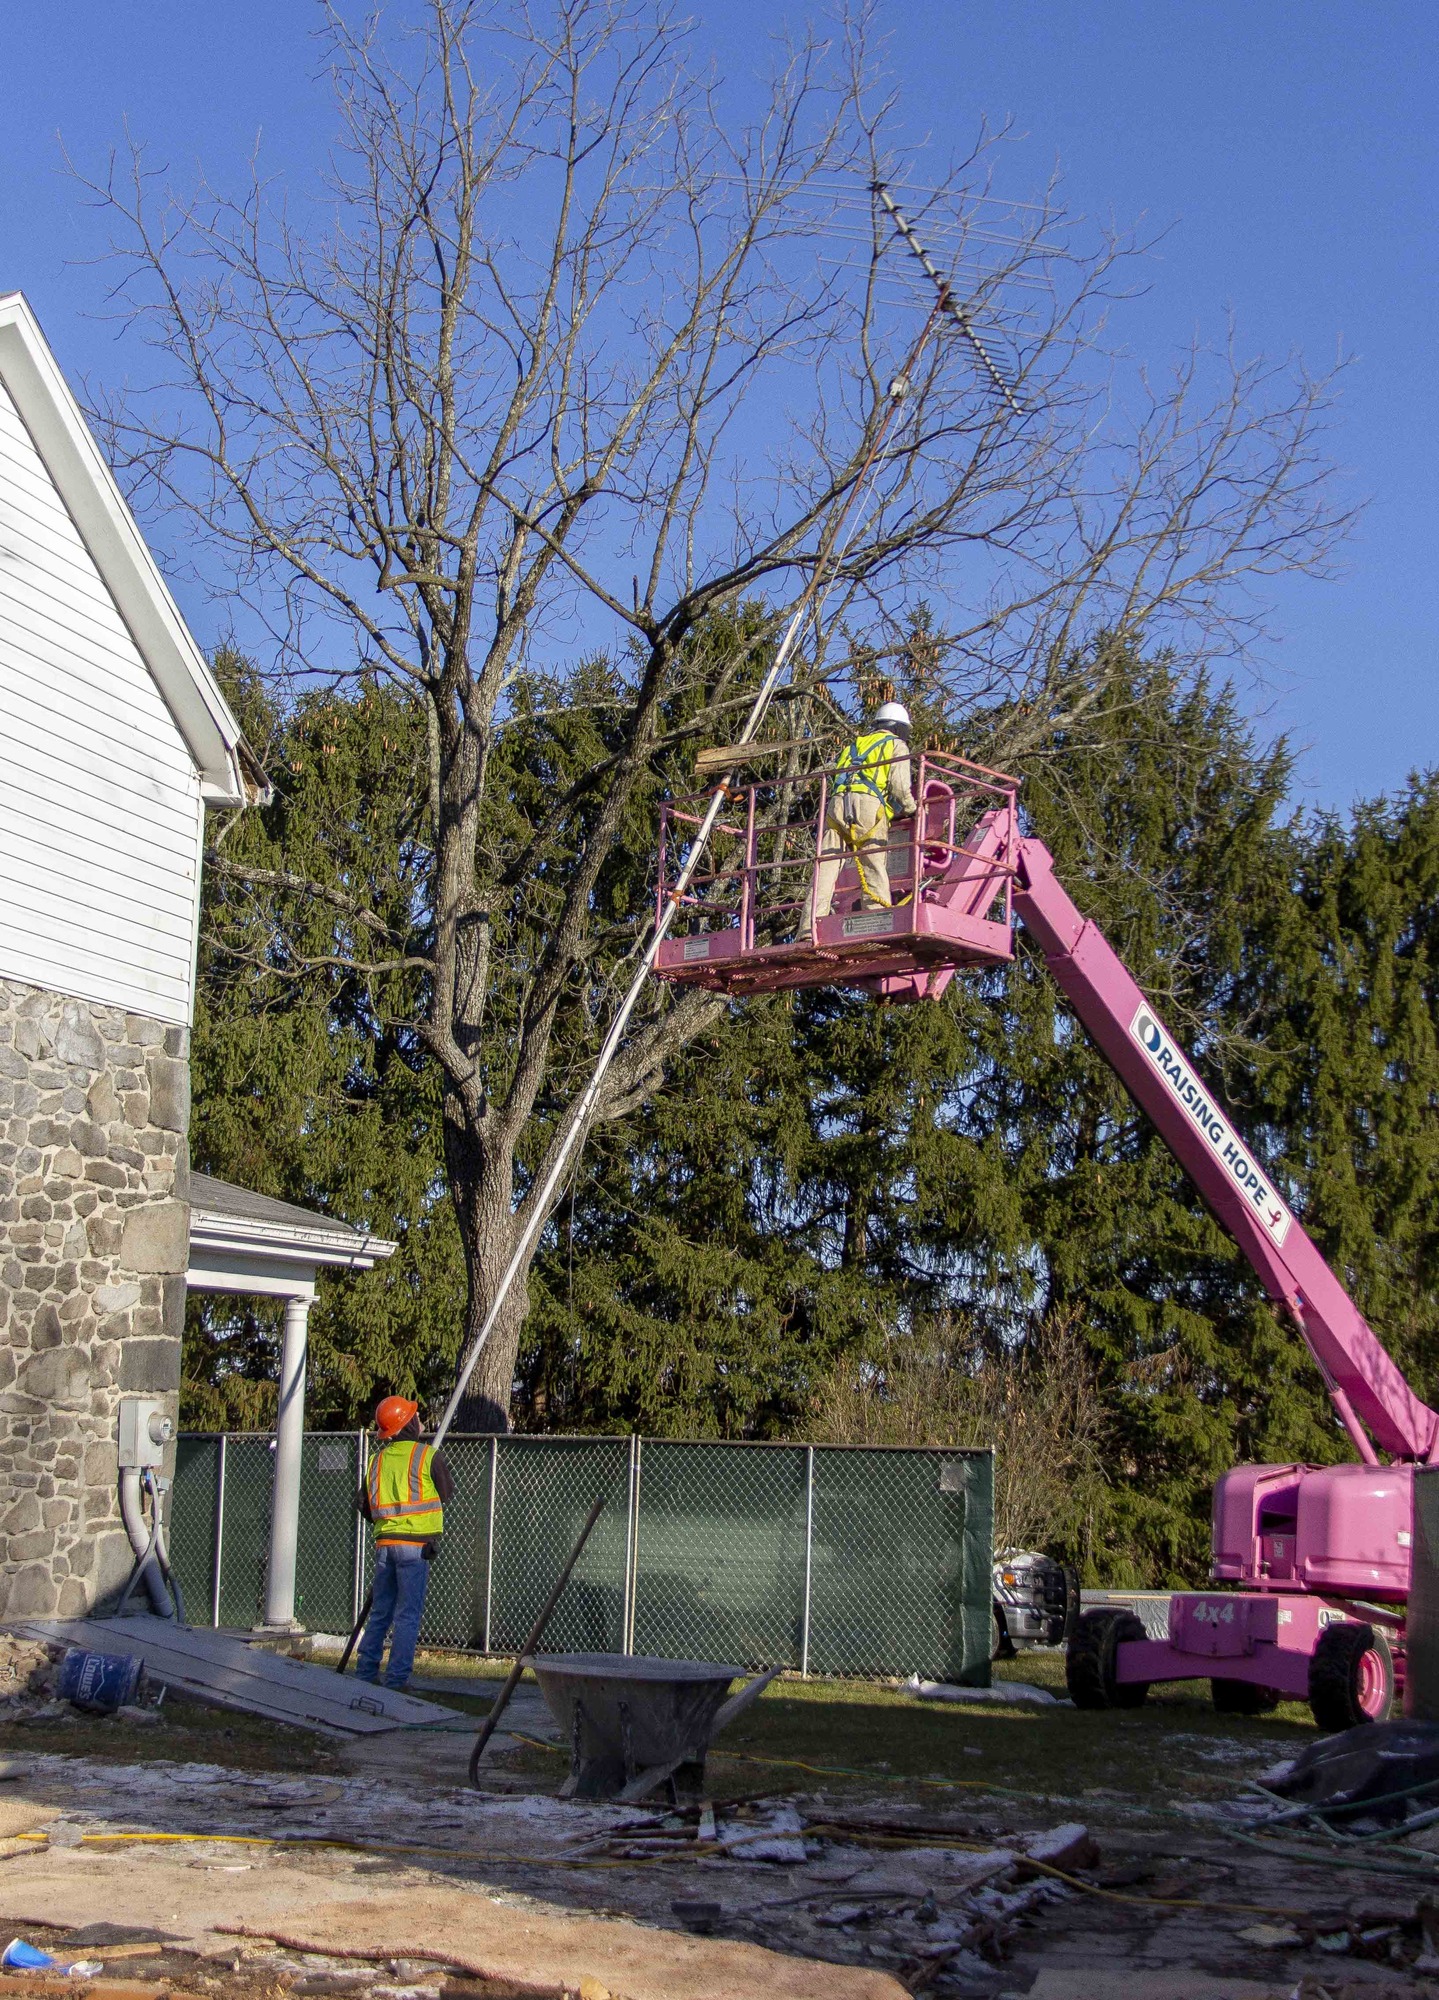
{"x":146,"y":1542}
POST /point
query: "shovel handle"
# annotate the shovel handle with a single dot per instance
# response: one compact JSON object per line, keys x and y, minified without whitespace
{"x":359,"y":1628}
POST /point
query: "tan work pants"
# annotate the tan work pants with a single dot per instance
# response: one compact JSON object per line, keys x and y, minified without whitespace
{"x":857,"y":825}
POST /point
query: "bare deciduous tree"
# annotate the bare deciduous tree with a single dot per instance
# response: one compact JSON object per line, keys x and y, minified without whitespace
{"x":1038,"y":1403}
{"x":574,"y":355}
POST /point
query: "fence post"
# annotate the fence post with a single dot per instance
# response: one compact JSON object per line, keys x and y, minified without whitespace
{"x":490,"y":1536}
{"x":808,"y":1559}
{"x":362,"y":1459}
{"x":219,"y":1534}
{"x":632,"y":1549}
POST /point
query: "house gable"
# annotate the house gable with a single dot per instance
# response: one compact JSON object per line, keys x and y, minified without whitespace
{"x":100,"y":811}
{"x":113,"y":734}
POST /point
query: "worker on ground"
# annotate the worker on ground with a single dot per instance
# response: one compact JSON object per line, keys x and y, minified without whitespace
{"x":870,"y":787}
{"x":404,"y":1499}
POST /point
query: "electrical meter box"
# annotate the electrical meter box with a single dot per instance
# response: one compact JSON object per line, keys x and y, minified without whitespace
{"x":145,"y":1431}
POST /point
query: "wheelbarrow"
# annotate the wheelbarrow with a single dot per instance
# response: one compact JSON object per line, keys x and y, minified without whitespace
{"x":636,"y":1723}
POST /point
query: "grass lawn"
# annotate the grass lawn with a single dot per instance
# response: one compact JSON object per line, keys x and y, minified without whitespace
{"x":858,"y":1737}
{"x":1173,"y":1748}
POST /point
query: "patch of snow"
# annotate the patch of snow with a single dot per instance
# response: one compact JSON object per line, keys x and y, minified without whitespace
{"x":1226,"y":1812}
{"x":916,"y":1870}
{"x":1055,"y":1840}
{"x":778,"y":1837}
{"x":1002,"y":1691}
{"x":968,"y":1965}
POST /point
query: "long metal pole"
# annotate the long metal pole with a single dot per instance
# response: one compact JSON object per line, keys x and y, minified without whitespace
{"x":541,"y":1201}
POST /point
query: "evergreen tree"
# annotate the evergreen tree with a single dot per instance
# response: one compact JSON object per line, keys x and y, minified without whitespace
{"x":1347,"y":989}
{"x":308,"y":1083}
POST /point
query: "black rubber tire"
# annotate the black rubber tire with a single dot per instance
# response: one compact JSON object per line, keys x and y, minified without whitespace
{"x":1091,"y":1656}
{"x":1243,"y":1698}
{"x":1337,"y":1668}
{"x":1003,"y":1647}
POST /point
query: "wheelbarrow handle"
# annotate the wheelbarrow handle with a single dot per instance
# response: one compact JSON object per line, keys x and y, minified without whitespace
{"x":535,"y":1634}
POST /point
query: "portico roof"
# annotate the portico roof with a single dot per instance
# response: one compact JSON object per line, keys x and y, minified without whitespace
{"x":243,"y":1241}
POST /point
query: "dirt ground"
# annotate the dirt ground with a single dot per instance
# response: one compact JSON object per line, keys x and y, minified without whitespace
{"x":860,"y":1841}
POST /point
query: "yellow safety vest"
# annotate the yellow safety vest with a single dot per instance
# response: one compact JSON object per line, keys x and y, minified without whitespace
{"x":865,"y":765}
{"x":404,"y":1502}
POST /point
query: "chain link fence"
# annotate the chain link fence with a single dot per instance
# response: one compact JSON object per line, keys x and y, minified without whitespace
{"x":829,"y":1559}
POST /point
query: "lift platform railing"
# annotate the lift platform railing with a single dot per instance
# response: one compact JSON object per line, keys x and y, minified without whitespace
{"x":765,"y":853}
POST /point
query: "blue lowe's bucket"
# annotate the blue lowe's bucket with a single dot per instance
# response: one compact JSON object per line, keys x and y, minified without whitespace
{"x":21,"y":1957}
{"x":101,"y":1681}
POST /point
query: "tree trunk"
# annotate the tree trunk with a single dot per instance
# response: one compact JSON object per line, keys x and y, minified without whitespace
{"x":481,"y":1178}
{"x":485,"y":1405}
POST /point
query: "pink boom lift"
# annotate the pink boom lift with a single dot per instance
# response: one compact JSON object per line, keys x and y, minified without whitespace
{"x":1320,"y":1555}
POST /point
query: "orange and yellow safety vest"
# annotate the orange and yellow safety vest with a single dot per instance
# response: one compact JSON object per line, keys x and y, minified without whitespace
{"x":404,"y":1501}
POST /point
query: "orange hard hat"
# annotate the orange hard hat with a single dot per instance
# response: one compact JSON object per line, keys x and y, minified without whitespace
{"x":392,"y":1413}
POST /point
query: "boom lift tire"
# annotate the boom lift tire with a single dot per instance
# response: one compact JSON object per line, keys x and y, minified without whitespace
{"x":1243,"y":1697}
{"x":1091,"y":1660}
{"x":1351,"y":1677}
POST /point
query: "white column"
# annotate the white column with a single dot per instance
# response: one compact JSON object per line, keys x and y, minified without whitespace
{"x":285,"y":1494}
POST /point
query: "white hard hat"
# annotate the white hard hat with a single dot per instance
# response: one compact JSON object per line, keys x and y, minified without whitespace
{"x":893,"y":712}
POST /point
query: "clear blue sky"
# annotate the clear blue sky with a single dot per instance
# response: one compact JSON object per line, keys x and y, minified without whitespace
{"x":1292,"y":144}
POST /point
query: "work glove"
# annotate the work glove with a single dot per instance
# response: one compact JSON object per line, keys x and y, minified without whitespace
{"x":428,"y":1551}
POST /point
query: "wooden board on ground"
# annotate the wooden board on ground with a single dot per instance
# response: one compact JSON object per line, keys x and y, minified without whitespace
{"x":226,"y":1670}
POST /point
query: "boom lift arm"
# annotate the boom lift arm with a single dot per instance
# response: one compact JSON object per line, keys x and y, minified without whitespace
{"x":1369,"y":1393}
{"x":1317,"y":1551}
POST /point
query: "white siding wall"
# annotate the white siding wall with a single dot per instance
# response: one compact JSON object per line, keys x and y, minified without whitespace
{"x":100,"y":811}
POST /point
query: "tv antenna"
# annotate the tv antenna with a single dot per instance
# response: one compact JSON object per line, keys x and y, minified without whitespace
{"x":949,"y":304}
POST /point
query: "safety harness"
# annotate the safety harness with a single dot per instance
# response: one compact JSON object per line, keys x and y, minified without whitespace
{"x":864,"y":766}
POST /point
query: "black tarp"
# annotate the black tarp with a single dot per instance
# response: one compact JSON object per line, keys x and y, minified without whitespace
{"x":1357,"y":1774}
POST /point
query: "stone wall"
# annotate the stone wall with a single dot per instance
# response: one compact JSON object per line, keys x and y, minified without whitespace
{"x":94,"y":1238}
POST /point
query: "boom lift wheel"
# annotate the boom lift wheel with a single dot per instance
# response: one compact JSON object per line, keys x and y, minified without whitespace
{"x":1091,"y":1660}
{"x":1243,"y":1697}
{"x":1351,"y":1677}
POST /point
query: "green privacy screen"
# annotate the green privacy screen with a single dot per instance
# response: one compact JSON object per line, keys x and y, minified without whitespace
{"x":827,"y":1559}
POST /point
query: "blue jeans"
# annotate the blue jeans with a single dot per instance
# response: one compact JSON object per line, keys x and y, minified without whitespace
{"x":401,"y":1574}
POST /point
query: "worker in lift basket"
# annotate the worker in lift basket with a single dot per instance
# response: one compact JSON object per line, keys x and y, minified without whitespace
{"x":403,"y":1498}
{"x":871,"y":787}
